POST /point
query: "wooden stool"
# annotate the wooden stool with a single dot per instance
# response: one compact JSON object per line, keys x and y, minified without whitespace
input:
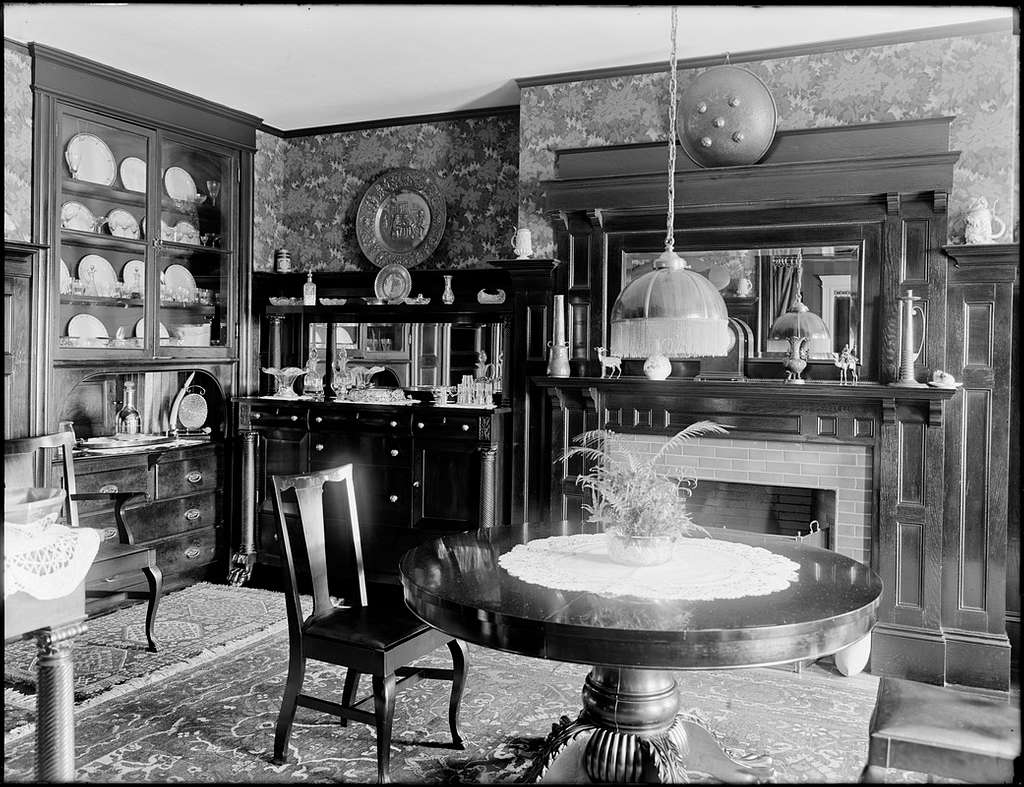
{"x":942,"y":732}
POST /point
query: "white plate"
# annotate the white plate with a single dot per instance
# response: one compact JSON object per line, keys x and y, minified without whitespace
{"x":179,"y":278}
{"x":133,"y":274}
{"x":65,"y":279}
{"x":98,"y":275}
{"x":85,"y":326}
{"x":90,"y":159}
{"x":75,"y":216}
{"x":122,"y":224}
{"x":140,"y":329}
{"x":133,"y":174}
{"x":179,"y":184}
{"x":184,"y":232}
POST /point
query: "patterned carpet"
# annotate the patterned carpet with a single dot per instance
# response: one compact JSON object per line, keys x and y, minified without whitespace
{"x":215,"y":723}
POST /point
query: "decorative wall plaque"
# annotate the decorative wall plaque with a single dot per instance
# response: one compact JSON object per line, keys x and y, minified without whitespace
{"x":401,"y":218}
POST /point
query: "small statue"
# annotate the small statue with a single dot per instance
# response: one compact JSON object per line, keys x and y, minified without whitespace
{"x":481,"y":368}
{"x":796,"y":361}
{"x":847,"y":362}
{"x":341,"y":380}
{"x":314,"y":382}
{"x":610,"y":364}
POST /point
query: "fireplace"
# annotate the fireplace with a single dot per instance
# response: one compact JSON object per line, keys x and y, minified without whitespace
{"x":778,"y":487}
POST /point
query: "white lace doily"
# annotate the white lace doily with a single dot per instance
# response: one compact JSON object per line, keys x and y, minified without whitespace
{"x":47,"y":560}
{"x":701,"y":569}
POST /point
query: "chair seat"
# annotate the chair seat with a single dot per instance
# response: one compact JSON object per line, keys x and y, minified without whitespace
{"x":381,"y":626}
{"x":947,"y":718}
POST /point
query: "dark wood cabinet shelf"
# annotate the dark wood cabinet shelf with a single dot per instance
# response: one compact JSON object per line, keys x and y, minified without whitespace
{"x":96,"y":240}
{"x":83,"y":188}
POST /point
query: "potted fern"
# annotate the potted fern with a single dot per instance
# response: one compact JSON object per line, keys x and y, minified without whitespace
{"x":640,"y":506}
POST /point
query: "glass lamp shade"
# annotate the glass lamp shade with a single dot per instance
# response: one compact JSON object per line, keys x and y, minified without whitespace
{"x":671,"y":310}
{"x":801,"y":321}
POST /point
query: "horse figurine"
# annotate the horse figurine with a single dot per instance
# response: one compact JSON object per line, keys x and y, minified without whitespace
{"x":612,"y":364}
{"x":847,"y":363}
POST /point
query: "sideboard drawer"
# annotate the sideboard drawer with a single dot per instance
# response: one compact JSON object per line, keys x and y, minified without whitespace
{"x":278,"y":416}
{"x":447,"y":426}
{"x":127,"y":479}
{"x":343,"y":418}
{"x":194,"y":474}
{"x":175,"y":555}
{"x":167,"y":517}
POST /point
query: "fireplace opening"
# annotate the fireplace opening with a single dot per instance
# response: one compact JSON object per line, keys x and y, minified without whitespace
{"x":781,"y":511}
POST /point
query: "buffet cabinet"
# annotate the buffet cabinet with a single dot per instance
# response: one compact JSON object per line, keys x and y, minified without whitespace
{"x":181,"y":516}
{"x":420,"y":470}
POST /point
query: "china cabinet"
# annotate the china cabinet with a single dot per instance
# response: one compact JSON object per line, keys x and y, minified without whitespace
{"x":143,"y":213}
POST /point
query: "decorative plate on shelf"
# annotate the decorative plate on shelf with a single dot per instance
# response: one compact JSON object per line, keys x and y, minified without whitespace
{"x":86,"y":326}
{"x":393,"y":283}
{"x":178,"y":278}
{"x":98,"y":275}
{"x":75,"y":216}
{"x":179,"y":185}
{"x":90,"y":159}
{"x":133,"y":174}
{"x":65,"y":279}
{"x":184,"y":232}
{"x":122,"y":224}
{"x":401,"y":218}
{"x":140,"y":330}
{"x":134,"y":275}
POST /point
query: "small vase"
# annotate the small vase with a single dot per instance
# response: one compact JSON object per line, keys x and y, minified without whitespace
{"x":657,"y":366}
{"x":639,"y":550}
{"x":448,"y":296}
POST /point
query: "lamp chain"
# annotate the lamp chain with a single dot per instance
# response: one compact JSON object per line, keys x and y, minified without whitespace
{"x":672,"y":89}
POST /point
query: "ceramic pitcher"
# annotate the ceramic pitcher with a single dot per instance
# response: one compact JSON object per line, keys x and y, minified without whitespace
{"x":978,"y":227}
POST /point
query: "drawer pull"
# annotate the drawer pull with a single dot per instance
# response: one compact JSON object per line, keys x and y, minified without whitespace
{"x":419,"y":424}
{"x":110,"y":579}
{"x":108,"y":489}
{"x":294,"y":417}
{"x":256,"y":416}
{"x":393,"y":498}
{"x":318,"y":447}
{"x":194,"y":477}
{"x":319,"y":419}
{"x":415,"y":484}
{"x":192,"y":553}
{"x":109,"y":533}
{"x":193,"y":514}
{"x":465,"y":427}
{"x":393,"y":424}
{"x":394,"y":452}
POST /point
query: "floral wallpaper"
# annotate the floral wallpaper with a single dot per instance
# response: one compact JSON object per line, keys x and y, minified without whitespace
{"x":974,"y":78}
{"x":308,"y":190}
{"x":17,"y":144}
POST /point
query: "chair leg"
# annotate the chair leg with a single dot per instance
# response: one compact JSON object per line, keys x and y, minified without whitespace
{"x":459,"y":658}
{"x":155,"y":578}
{"x":293,"y":685}
{"x":348,"y":696}
{"x":384,"y":710}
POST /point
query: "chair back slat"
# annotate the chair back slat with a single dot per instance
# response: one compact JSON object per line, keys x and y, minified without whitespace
{"x":309,"y":495}
{"x":27,"y":462}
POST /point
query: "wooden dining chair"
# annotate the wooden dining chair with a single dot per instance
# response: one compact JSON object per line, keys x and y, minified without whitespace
{"x":27,"y":463}
{"x":368,"y":630}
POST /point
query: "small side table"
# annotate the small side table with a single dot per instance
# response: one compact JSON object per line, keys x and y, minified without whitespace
{"x":53,"y":624}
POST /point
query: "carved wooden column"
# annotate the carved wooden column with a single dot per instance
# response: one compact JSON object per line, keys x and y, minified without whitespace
{"x":979,"y":353}
{"x":55,"y":704}
{"x":487,"y":483}
{"x":275,"y":341}
{"x":245,"y":556}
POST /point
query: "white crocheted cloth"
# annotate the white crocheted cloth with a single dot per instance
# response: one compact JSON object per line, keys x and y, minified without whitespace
{"x":701,"y":569}
{"x":47,"y":560}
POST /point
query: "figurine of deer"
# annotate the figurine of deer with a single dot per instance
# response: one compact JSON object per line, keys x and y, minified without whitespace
{"x":611,"y":364}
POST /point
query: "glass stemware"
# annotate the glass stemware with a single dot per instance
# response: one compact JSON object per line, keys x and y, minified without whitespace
{"x":213,"y":187}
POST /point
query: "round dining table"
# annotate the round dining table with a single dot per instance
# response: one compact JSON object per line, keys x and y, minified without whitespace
{"x":639,"y":642}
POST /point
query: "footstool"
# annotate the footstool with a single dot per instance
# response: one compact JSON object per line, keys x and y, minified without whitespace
{"x":942,"y":732}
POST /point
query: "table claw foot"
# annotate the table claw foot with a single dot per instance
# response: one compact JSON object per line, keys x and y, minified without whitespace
{"x":563,"y":733}
{"x":703,"y":752}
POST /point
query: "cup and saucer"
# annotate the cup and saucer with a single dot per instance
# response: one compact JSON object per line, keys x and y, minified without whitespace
{"x":941,"y":379}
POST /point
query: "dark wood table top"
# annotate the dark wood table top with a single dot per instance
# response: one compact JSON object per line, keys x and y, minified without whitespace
{"x":455,"y":584}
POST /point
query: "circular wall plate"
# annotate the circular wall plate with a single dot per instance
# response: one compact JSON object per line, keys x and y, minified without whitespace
{"x":401,"y":218}
{"x":193,"y":411}
{"x":727,"y":117}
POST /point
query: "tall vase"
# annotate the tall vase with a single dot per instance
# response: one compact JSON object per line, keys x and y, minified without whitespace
{"x":558,"y":352}
{"x":905,"y":377}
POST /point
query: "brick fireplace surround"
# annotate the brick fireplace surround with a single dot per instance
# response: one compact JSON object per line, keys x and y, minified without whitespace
{"x":847,"y":469}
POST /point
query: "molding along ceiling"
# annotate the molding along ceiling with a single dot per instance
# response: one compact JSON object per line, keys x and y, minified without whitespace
{"x":303,"y":66}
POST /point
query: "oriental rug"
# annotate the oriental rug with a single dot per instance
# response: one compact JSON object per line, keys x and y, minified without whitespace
{"x":193,"y":626}
{"x":215,"y":723}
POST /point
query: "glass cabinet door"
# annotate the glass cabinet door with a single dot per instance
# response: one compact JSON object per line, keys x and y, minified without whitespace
{"x":102,"y":199}
{"x":195,"y":248}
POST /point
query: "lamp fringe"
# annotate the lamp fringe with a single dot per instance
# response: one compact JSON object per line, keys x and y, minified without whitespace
{"x":677,"y":338}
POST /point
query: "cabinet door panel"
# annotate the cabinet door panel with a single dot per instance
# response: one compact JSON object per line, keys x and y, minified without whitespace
{"x":448,"y":492}
{"x":281,"y":452}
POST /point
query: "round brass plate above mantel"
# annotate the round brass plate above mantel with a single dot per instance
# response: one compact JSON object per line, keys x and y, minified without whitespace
{"x":401,"y":218}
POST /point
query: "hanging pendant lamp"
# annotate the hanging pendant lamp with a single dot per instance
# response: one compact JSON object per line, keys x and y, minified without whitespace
{"x":672,"y":309}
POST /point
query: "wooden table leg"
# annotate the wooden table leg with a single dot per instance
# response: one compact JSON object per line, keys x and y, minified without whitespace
{"x":630,"y":731}
{"x":55,"y":704}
